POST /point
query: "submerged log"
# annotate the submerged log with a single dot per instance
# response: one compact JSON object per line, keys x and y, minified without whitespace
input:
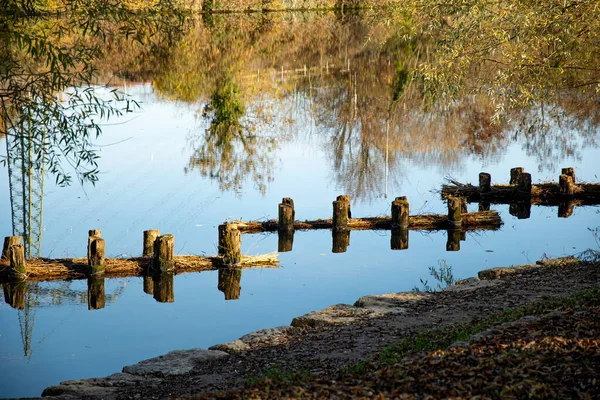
{"x":485,"y":220}
{"x":45,"y":269}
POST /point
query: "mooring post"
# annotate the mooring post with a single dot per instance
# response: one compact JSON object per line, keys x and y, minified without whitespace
{"x":286,"y":215}
{"x":163,"y":253}
{"x":524,"y":184}
{"x":463,"y":205}
{"x":148,"y":284}
{"x":566,"y":185}
{"x":345,"y":198}
{"x":453,"y":243}
{"x":92,"y":233}
{"x":9,"y":241}
{"x":164,"y":288}
{"x":95,"y":292}
{"x":341,"y":241}
{"x":485,"y":182}
{"x":454,"y":212}
{"x":14,"y":293}
{"x":17,"y":261}
{"x":569,"y":171}
{"x":149,"y":239}
{"x":340,"y":216}
{"x":399,"y":239}
{"x":514,"y":174}
{"x":230,"y":243}
{"x":96,"y":264}
{"x":230,"y":282}
{"x":400,"y":213}
{"x":565,"y":209}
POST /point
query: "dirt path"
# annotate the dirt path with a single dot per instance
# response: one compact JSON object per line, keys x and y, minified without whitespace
{"x":324,"y":341}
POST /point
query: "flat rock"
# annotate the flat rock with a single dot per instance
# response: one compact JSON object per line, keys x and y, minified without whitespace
{"x":339,"y":314}
{"x":262,"y":338}
{"x":470,"y":284}
{"x":178,"y":362}
{"x":104,"y":388}
{"x":390,"y":302}
{"x":495,"y":273}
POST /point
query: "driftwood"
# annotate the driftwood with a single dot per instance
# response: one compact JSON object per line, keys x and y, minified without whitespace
{"x":484,"y":220}
{"x":45,"y":269}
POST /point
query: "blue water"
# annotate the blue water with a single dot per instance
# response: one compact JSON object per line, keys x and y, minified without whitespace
{"x":144,"y":185}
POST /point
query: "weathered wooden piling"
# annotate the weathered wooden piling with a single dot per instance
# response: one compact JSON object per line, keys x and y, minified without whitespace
{"x":9,"y":241}
{"x":463,"y":205}
{"x":524,"y":184}
{"x":18,"y":268}
{"x":400,"y":213}
{"x":14,"y":293}
{"x":230,"y":242}
{"x":345,"y":198}
{"x":514,"y":175}
{"x":163,"y":253}
{"x":230,"y":283}
{"x":92,"y":233}
{"x":148,"y":284}
{"x":149,"y":239}
{"x":453,"y":242}
{"x":341,"y":241}
{"x":566,"y":185}
{"x":286,"y":215}
{"x":96,"y":298}
{"x":164,"y":287}
{"x":96,"y":260}
{"x":340,"y":216}
{"x":399,"y":239}
{"x":485,"y":182}
{"x":569,"y":171}
{"x":454,"y":212}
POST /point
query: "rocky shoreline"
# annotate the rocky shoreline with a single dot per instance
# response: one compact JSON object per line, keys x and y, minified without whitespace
{"x":326,"y":340}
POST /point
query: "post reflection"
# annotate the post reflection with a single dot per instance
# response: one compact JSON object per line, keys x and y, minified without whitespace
{"x":399,"y":240}
{"x":163,"y":290}
{"x":230,"y":282}
{"x":96,"y":296}
{"x":285,"y":241}
{"x":341,"y":241}
{"x":521,"y":210}
{"x":14,"y":294}
{"x":454,"y":237}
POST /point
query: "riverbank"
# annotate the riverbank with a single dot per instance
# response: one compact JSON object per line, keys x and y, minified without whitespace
{"x":322,"y":343}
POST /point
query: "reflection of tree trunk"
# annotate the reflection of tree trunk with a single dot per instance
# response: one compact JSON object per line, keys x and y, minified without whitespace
{"x":520,"y":210}
{"x":341,"y":241}
{"x":230,"y":282}
{"x":286,"y":241}
{"x":453,"y":243}
{"x":399,"y":239}
{"x":164,"y":291}
{"x":14,"y":294}
{"x":148,"y":284}
{"x":95,"y":293}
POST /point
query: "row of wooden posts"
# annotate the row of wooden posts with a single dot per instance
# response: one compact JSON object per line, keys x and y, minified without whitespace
{"x":159,"y":248}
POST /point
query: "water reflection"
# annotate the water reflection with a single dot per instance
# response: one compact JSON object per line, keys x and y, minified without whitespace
{"x":164,"y":288}
{"x":399,"y":239}
{"x":96,"y":299}
{"x":230,"y":283}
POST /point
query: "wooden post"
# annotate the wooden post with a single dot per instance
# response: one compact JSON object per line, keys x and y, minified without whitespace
{"x":230,"y":282}
{"x":514,"y":174}
{"x":569,"y":171}
{"x":9,"y":241}
{"x":524,"y":184}
{"x":96,"y":298}
{"x":454,"y":212}
{"x":453,"y":243}
{"x":463,"y":205}
{"x":484,"y":206}
{"x":485,"y":182}
{"x":14,"y":293}
{"x":230,"y":242}
{"x":341,"y":241}
{"x":340,"y":216}
{"x":164,"y":288}
{"x":285,"y":241}
{"x":566,"y":185}
{"x":400,"y":213}
{"x":17,"y":261}
{"x":163,"y":253}
{"x":92,"y":233}
{"x":565,"y":209}
{"x":149,"y":239}
{"x":399,"y":240}
{"x":286,"y":215}
{"x":96,"y":255}
{"x":346,"y":199}
{"x":148,"y":284}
